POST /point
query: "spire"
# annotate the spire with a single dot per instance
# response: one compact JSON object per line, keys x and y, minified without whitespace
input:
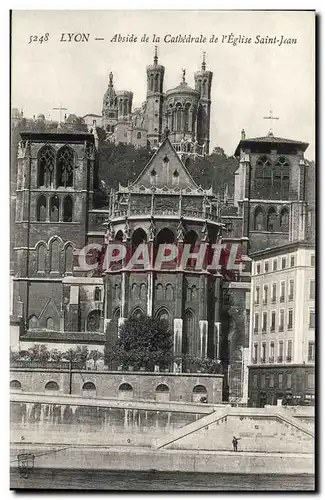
{"x":155,"y":59}
{"x":203,"y":63}
{"x":111,"y":79}
{"x":183,"y":75}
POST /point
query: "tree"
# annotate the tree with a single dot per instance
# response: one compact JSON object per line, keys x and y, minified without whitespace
{"x":56,"y":355}
{"x":78,"y":355}
{"x":143,"y":342}
{"x":38,"y":353}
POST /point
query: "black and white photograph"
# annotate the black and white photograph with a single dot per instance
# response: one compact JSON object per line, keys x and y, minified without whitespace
{"x":162,"y":250}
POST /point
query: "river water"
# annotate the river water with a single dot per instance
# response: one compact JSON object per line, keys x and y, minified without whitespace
{"x":158,"y":481}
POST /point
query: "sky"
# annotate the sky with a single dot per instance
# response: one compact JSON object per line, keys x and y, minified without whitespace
{"x":249,"y":79}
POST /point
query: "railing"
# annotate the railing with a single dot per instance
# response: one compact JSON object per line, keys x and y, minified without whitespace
{"x":281,"y":328}
{"x":197,"y":214}
{"x":280,"y":359}
{"x":271,"y":360}
{"x":263,"y":360}
{"x":282,"y":298}
{"x":289,"y":359}
{"x":289,"y":326}
{"x":188,"y":148}
{"x":254,"y":361}
{"x":264,"y":302}
{"x":311,"y":359}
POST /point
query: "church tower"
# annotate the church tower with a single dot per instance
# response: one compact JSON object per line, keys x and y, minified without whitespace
{"x":155,"y":98}
{"x":109,"y":111}
{"x":203,"y":81}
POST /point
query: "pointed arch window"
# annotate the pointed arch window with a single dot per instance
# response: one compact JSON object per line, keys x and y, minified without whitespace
{"x":178,"y":117}
{"x":156,"y":83}
{"x":159,"y":292}
{"x":204,"y":88}
{"x":67,"y":209}
{"x":258,"y":219}
{"x":169,"y":292}
{"x":41,"y":258}
{"x":54,"y":209}
{"x":284,"y":220}
{"x":143,"y":291}
{"x":281,"y":177}
{"x":65,"y":164}
{"x":137,"y":312}
{"x":98,"y":294}
{"x":55,"y":256}
{"x":68,"y":259}
{"x":41,"y":209}
{"x":134,"y":291}
{"x":187,"y":117}
{"x":271,"y":220}
{"x":45,"y":163}
{"x":93,"y":321}
{"x":189,"y":332}
{"x":163,"y":315}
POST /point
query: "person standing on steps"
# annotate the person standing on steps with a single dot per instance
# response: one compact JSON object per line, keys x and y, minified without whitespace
{"x":235,"y":443}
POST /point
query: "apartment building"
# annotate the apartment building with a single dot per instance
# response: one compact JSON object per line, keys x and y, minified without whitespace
{"x":282,"y":326}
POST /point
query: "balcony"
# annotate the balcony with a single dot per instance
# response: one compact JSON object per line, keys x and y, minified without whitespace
{"x":281,"y":328}
{"x":255,"y":330}
{"x":271,"y":359}
{"x":263,"y":361}
{"x":257,"y":302}
{"x":273,"y":300}
{"x":282,"y":298}
{"x":280,"y":359}
{"x":311,"y":359}
{"x":272,"y":329}
{"x":265,"y":302}
{"x":264,"y":329}
{"x":290,"y":297}
{"x":288,"y":359}
{"x":289,"y":326}
{"x":254,"y":361}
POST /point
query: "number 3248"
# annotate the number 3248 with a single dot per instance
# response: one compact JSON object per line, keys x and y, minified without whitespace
{"x":39,"y":39}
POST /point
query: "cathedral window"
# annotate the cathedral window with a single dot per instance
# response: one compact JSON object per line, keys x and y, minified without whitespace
{"x":164,"y":236}
{"x":33,"y":322}
{"x":98,"y":294}
{"x":204,"y":88}
{"x":68,"y":259}
{"x":187,"y":117}
{"x":55,"y":256}
{"x":281,"y":174}
{"x":165,"y":159}
{"x":54,"y":209}
{"x":139,"y":135}
{"x":178,"y":117}
{"x":65,"y":163}
{"x":156,"y":83}
{"x":41,"y":209}
{"x":134,"y":291}
{"x":189,"y":332}
{"x":67,"y":209}
{"x":159,"y":292}
{"x":271,"y":220}
{"x":284,"y":220}
{"x":93,"y":321}
{"x":169,"y":292}
{"x":137,"y":313}
{"x":46,"y":162}
{"x":163,"y":315}
{"x":193,"y":293}
{"x":258,"y":219}
{"x":143,"y":291}
{"x":41,"y":256}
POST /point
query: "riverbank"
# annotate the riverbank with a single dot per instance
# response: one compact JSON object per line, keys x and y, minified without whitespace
{"x":126,"y":458}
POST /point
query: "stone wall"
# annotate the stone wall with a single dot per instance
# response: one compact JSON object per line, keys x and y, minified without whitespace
{"x":180,"y":387}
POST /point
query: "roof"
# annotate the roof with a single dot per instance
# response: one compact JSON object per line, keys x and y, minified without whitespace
{"x":183,"y":87}
{"x":270,"y":139}
{"x":52,"y":135}
{"x":92,"y":114}
{"x":281,"y":249}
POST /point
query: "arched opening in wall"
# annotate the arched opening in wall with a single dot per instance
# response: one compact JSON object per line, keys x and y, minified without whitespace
{"x":151,"y":82}
{"x":54,"y":209}
{"x":187,"y":117}
{"x":97,"y":294}
{"x":41,"y":258}
{"x":67,"y":209}
{"x":204,"y":88}
{"x":284,"y":220}
{"x":125,"y":109}
{"x":68,"y":259}
{"x":258,"y":219}
{"x":119,"y":236}
{"x":89,"y":390}
{"x":125,"y":391}
{"x":138,"y":135}
{"x":15,"y":385}
{"x":33,"y":323}
{"x":191,"y":238}
{"x":164,"y":315}
{"x":263,"y":177}
{"x":93,"y":321}
{"x":159,"y":291}
{"x":200,"y":394}
{"x":139,"y":236}
{"x":51,"y":386}
{"x":271,"y":224}
{"x":169,"y":292}
{"x":134,"y":293}
{"x":165,"y":236}
{"x":162,"y":392}
{"x":156,"y":83}
{"x":49,"y":324}
{"x":282,"y":174}
{"x":143,"y":291}
{"x":189,"y":338}
{"x":65,"y":164}
{"x":41,"y":209}
{"x":178,"y":117}
{"x":55,"y":256}
{"x":45,"y":165}
{"x":137,"y":313}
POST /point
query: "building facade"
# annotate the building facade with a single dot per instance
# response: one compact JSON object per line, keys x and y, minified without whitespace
{"x":282,"y":327}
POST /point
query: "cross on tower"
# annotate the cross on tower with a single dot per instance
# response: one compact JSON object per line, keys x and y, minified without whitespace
{"x":60,"y":109}
{"x":271,"y":117}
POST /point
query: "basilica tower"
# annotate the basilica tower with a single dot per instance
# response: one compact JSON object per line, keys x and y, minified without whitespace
{"x":109,"y":111}
{"x":155,"y":98}
{"x":203,"y":81}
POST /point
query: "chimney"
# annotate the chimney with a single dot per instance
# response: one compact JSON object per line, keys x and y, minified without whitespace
{"x":243,"y":135}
